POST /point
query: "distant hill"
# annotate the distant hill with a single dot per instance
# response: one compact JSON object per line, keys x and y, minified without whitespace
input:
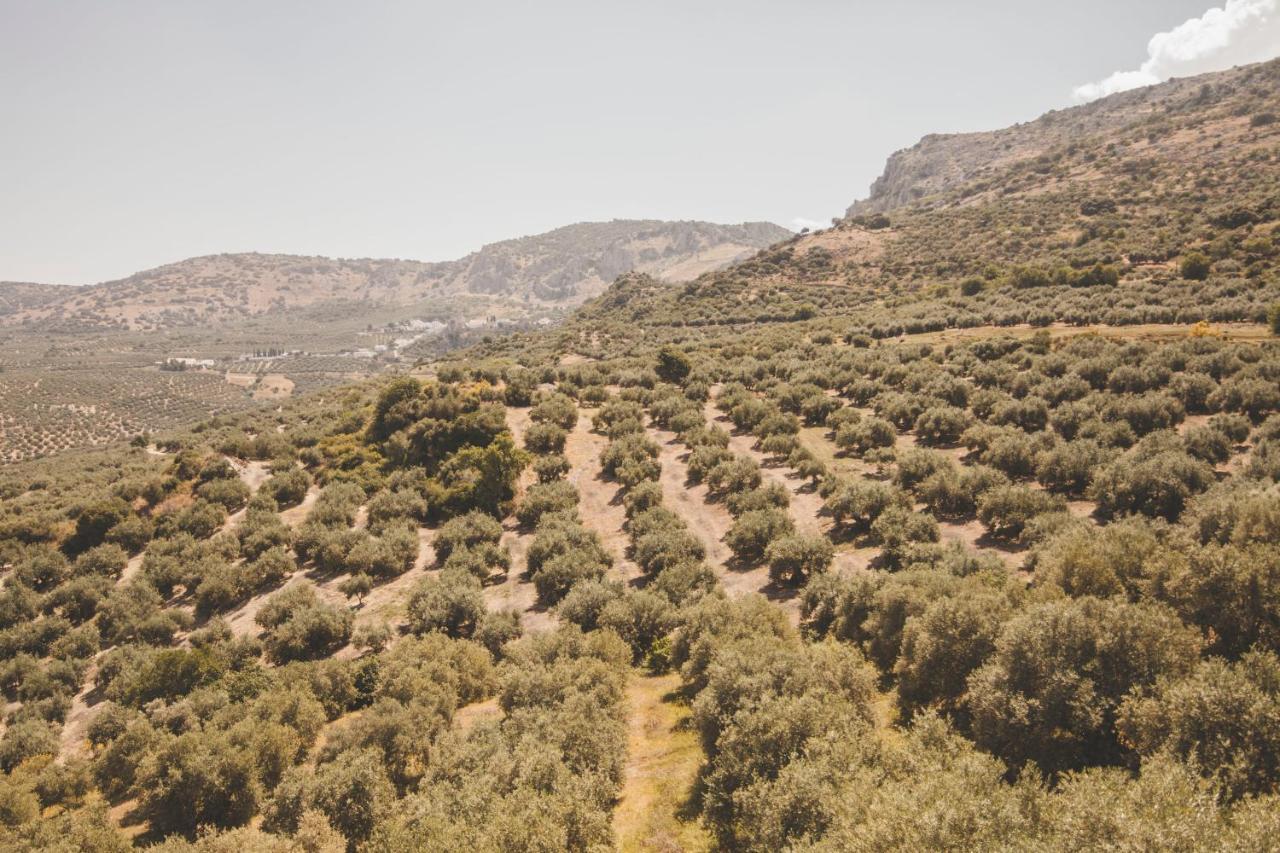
{"x":18,"y":296}
{"x":561,"y":267}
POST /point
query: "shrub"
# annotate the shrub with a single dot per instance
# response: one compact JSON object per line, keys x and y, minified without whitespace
{"x":866,"y":434}
{"x":733,"y":475}
{"x":544,"y":498}
{"x":396,"y":508}
{"x":586,"y":601}
{"x":230,"y":494}
{"x":301,"y":627}
{"x":1194,"y":266}
{"x":774,"y":495}
{"x":357,"y":586}
{"x":752,"y":532}
{"x":470,"y":530}
{"x":941,"y":646}
{"x":555,"y":408}
{"x":794,"y":559}
{"x":1155,"y":478}
{"x":858,"y":503}
{"x":1233,"y":593}
{"x":640,"y":619}
{"x":198,"y":779}
{"x":1006,"y":510}
{"x":1068,"y":467}
{"x":27,"y":739}
{"x":451,"y":604}
{"x":106,"y":560}
{"x":659,"y":550}
{"x":1051,"y":690}
{"x":1223,"y":718}
{"x":673,"y":365}
{"x":898,"y":530}
{"x":545,"y":437}
{"x":288,"y":488}
{"x":550,"y":468}
{"x":941,"y":426}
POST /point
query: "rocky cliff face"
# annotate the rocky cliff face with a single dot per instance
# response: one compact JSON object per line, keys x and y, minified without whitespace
{"x":940,"y":162}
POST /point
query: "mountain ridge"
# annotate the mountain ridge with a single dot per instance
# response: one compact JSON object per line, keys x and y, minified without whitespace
{"x":560,"y":268}
{"x":942,"y":161}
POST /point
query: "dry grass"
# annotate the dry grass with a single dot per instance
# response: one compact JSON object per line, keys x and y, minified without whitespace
{"x":663,"y":758}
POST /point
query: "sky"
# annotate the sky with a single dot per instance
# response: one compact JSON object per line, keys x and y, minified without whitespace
{"x":140,"y":133}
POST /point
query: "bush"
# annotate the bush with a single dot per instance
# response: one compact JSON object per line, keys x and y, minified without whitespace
{"x":640,"y":619}
{"x":301,"y":627}
{"x":673,"y":365}
{"x":1125,"y":558}
{"x":230,"y":494}
{"x":752,"y":532}
{"x":733,"y":475}
{"x":1195,"y":266}
{"x":1222,"y":718}
{"x":940,"y":647}
{"x":543,"y":498}
{"x":396,"y":508}
{"x":555,"y":409}
{"x":1051,"y":690}
{"x":27,"y":739}
{"x":866,"y":434}
{"x":1006,"y":510}
{"x":198,"y":779}
{"x":480,"y":562}
{"x":794,"y":559}
{"x":470,"y":530}
{"x":288,"y":488}
{"x":452,"y":604}
{"x":550,"y":468}
{"x":856,"y":504}
{"x":659,"y":550}
{"x":545,"y":438}
{"x":586,"y":601}
{"x":1156,"y":478}
{"x":1233,"y":593}
{"x":942,"y":426}
{"x":1068,"y":467}
{"x":898,"y":530}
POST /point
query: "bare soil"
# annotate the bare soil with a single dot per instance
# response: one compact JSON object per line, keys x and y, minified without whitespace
{"x":601,"y":499}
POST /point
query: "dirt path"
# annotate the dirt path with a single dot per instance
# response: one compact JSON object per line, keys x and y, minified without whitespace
{"x":663,"y":758}
{"x":295,"y":515}
{"x":973,"y":535}
{"x":601,"y":500}
{"x":710,"y":521}
{"x":74,"y":738}
{"x":131,"y":569}
{"x":806,"y":503}
{"x":516,"y":592}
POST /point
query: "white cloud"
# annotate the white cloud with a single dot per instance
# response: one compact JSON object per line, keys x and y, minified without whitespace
{"x":799,"y":223}
{"x":1238,"y":33}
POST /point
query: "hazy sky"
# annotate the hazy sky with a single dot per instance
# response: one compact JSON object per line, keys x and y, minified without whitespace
{"x":138,"y":133}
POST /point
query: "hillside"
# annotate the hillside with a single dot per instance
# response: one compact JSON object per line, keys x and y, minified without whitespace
{"x":561,"y":267}
{"x":953,"y":530}
{"x":1091,"y":228}
{"x":941,"y":162}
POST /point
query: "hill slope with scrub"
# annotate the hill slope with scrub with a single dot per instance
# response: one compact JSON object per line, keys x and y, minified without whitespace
{"x":937,"y":532}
